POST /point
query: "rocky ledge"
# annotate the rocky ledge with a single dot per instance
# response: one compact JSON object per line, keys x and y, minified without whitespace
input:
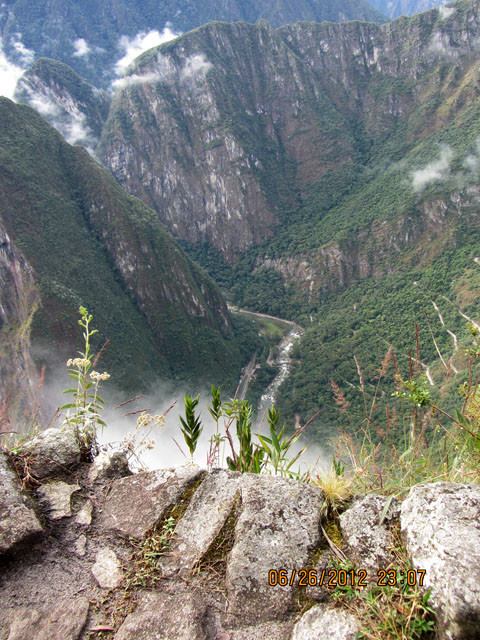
{"x":91,"y":550}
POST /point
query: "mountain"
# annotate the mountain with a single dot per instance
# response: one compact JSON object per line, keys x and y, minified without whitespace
{"x":228,"y":130}
{"x":70,"y":236}
{"x":395,"y":8}
{"x":77,"y":109}
{"x":322,"y":172}
{"x":89,"y":35}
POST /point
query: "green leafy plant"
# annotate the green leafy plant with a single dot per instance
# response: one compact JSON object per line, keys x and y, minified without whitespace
{"x":393,"y":610}
{"x":249,"y":457}
{"x":415,"y":392}
{"x":84,"y":411}
{"x":277,"y":446}
{"x":147,"y":553}
{"x":269,"y":455}
{"x":192,"y":427}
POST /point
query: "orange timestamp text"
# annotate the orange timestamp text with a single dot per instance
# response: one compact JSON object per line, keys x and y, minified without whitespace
{"x":343,"y":577}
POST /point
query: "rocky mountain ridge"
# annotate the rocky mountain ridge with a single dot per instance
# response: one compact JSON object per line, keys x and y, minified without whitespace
{"x":91,"y":35}
{"x":222,"y":165}
{"x":191,"y":555}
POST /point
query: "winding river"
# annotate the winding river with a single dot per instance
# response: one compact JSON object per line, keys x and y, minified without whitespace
{"x":283,"y":361}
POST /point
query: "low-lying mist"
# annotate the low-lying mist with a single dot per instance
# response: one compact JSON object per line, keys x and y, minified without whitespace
{"x":167,"y":447}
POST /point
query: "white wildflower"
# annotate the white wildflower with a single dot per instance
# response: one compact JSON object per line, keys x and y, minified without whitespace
{"x":146,"y":420}
{"x":99,"y":376}
{"x":79,"y":363}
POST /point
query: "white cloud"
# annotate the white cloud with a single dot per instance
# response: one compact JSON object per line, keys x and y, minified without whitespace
{"x":133,"y":47}
{"x":445,"y":12}
{"x":81,"y":48}
{"x":27,"y":55}
{"x":434,"y":171}
{"x":129,"y":81}
{"x":43,"y":105}
{"x":9,"y":75}
{"x":67,"y":119}
{"x":195,"y":67}
{"x":472,"y":161}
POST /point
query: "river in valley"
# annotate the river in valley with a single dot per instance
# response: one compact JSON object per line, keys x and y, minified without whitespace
{"x":283,"y":362}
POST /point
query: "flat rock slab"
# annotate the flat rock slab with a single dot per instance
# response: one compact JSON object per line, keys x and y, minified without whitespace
{"x":137,"y":503}
{"x":107,"y":570}
{"x":203,"y":520}
{"x":54,"y":451}
{"x":18,"y":521}
{"x":367,"y":538}
{"x":64,"y":621}
{"x":319,"y":623}
{"x":441,"y":526}
{"x":162,"y":616}
{"x":56,"y":498}
{"x":278,"y":528}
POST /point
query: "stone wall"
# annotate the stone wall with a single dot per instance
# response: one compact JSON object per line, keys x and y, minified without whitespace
{"x":91,"y":550}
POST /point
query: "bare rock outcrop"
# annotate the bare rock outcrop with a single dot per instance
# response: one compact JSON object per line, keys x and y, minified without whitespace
{"x":18,"y":521}
{"x":185,"y":554}
{"x":53,"y":452}
{"x":278,"y":528}
{"x":340,"y":625}
{"x":135,"y":504}
{"x":56,"y":497}
{"x":64,"y":621}
{"x":366,"y":532}
{"x":441,"y":526}
{"x":161,"y":615}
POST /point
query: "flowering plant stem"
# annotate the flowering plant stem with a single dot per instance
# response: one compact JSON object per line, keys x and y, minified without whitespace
{"x":86,"y":403}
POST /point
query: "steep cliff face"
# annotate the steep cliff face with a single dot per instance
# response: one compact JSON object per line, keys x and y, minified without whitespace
{"x":225,"y":131}
{"x":87,"y":34}
{"x":212,"y":133}
{"x":89,"y":243}
{"x":387,"y":247}
{"x":19,"y":299}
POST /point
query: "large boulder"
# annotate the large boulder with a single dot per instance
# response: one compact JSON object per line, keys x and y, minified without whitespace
{"x":366,"y":533}
{"x":441,"y":526}
{"x":18,"y":521}
{"x":278,"y":528}
{"x":138,"y":502}
{"x":52,"y":452}
{"x":203,"y":520}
